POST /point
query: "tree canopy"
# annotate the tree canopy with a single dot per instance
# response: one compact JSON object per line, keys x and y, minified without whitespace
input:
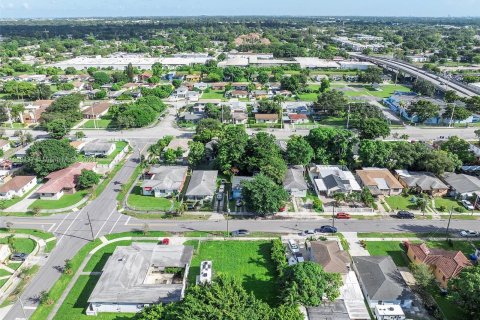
{"x":465,"y":289}
{"x":263,"y":196}
{"x":299,"y":151}
{"x":46,"y":156}
{"x":423,"y":110}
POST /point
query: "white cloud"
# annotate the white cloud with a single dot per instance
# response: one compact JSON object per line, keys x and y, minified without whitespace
{"x":25,"y":5}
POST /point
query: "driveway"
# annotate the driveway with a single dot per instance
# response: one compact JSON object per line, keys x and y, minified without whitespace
{"x":22,"y":206}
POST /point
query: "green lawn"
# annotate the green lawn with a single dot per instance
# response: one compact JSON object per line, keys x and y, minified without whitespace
{"x":14,"y":265}
{"x":23,"y":245}
{"x":65,"y":201}
{"x":16,"y":125}
{"x":140,"y":202}
{"x":389,"y":248}
{"x":36,"y":233}
{"x":248,"y":261}
{"x":100,"y":124}
{"x":447,"y":203}
{"x":401,"y":202}
{"x":2,"y":282}
{"x":399,"y":235}
{"x":4,"y":273}
{"x":467,"y":247}
{"x":308,"y":96}
{"x":99,"y":258}
{"x":449,"y":308}
{"x":11,"y":202}
{"x":333,"y":121}
{"x":213,"y":94}
{"x":74,"y":306}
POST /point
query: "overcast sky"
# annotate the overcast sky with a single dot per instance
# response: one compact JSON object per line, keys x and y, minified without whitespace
{"x":111,"y":8}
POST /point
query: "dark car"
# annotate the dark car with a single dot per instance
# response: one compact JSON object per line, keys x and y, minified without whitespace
{"x":239,"y":233}
{"x":405,"y":215}
{"x":18,"y":256}
{"x":326,"y":229}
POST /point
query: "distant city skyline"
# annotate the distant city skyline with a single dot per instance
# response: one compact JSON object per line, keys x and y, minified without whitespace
{"x":127,"y":8}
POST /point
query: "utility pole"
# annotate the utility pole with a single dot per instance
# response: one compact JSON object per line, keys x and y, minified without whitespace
{"x":448,"y":225}
{"x":228,"y":215}
{"x":90,"y":224}
{"x":333,"y":215}
{"x":451,"y":117}
{"x":348,"y":116}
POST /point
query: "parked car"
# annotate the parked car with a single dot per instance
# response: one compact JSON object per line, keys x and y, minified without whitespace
{"x":405,"y":215}
{"x":221,"y":188}
{"x":283,"y":209}
{"x":308,"y":233}
{"x":469,"y":233}
{"x":343,"y":215}
{"x":19,"y":256}
{"x":292,"y":244}
{"x":299,"y":257}
{"x":326,"y":229}
{"x":239,"y":233}
{"x":467,"y":204}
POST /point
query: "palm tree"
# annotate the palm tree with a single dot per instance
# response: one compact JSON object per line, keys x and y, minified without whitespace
{"x":353,"y":197}
{"x":339,"y":197}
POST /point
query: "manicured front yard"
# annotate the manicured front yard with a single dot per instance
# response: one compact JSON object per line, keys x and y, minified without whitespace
{"x":248,"y":261}
{"x":401,"y":202}
{"x":65,"y":201}
{"x":8,"y":203}
{"x":308,"y":96}
{"x":23,"y":245}
{"x":138,"y":201}
{"x":99,"y":124}
{"x":213,"y":94}
{"x":447,"y":204}
{"x":389,"y":248}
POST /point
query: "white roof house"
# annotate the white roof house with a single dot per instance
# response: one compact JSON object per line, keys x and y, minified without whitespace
{"x":330,"y":179}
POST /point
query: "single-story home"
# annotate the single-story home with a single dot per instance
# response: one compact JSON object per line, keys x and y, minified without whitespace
{"x":266,"y":117}
{"x":237,"y":186}
{"x":379,"y":181}
{"x":330,"y":179}
{"x":423,"y":182}
{"x":33,"y":111}
{"x":329,"y":255}
{"x":17,"y":187}
{"x":182,"y":144}
{"x":331,"y":310}
{"x":239,"y":117}
{"x":4,"y":145}
{"x":242,"y":94}
{"x":461,"y":185}
{"x":219,"y":86}
{"x":98,"y":148}
{"x":202,"y":185}
{"x":297,"y":118}
{"x":191,"y":116}
{"x":63,"y":181}
{"x":445,"y":264}
{"x":141,"y":275}
{"x":164,"y":181}
{"x":96,"y":110}
{"x":294,"y":182}
{"x":381,"y":282}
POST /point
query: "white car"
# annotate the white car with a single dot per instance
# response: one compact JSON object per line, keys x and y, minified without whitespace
{"x":469,"y":233}
{"x":292,"y":244}
{"x":468,"y":205}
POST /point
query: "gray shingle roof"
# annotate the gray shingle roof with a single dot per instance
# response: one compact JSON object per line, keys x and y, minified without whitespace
{"x":381,"y":279}
{"x":294,"y":179}
{"x":426,"y":181}
{"x":202,"y":183}
{"x":123,"y":277}
{"x":97,"y":146}
{"x":166,"y":178}
{"x":462,"y":183}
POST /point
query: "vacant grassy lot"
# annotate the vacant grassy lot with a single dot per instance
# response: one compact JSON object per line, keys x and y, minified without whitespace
{"x":389,"y":248}
{"x":448,"y":204}
{"x":308,"y":96}
{"x":213,"y":94}
{"x":249,"y":261}
{"x":65,"y":201}
{"x":140,"y":202}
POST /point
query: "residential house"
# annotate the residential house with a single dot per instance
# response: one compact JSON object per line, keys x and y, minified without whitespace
{"x":200,"y":105}
{"x":4,"y":145}
{"x":379,"y":181}
{"x":329,"y":255}
{"x":193,"y":96}
{"x":299,"y":107}
{"x":96,"y":110}
{"x":193,"y":77}
{"x":296,"y":118}
{"x":240,"y":86}
{"x":330,"y":179}
{"x":239,"y":117}
{"x":422,"y":182}
{"x":202,"y":185}
{"x":202,"y":86}
{"x":164,"y":181}
{"x":33,"y":111}
{"x":191,"y":117}
{"x":330,"y":310}
{"x":445,"y":264}
{"x":180,"y":92}
{"x":78,"y":145}
{"x":381,"y":282}
{"x":5,"y":252}
{"x":144,"y":77}
{"x":218,"y":86}
{"x":17,"y":187}
{"x":63,"y":181}
{"x":211,"y":149}
{"x":237,"y":186}
{"x":140,"y":275}
{"x":98,"y":148}
{"x":236,"y":105}
{"x":242,"y":94}
{"x":20,"y":154}
{"x":182,"y":144}
{"x":261,"y":94}
{"x":266,"y":117}
{"x":461,"y":185}
{"x":294,"y":182}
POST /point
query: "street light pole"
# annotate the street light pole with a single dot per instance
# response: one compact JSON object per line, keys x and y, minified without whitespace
{"x":90,"y":224}
{"x":333,"y":215}
{"x":448,"y":225}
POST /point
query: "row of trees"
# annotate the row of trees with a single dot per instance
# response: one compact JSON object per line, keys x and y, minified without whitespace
{"x":141,"y":113}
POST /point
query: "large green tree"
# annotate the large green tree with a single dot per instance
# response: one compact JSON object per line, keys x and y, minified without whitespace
{"x":88,"y":179}
{"x":423,"y":110}
{"x":196,"y":154}
{"x":465,"y":290}
{"x":332,"y":145}
{"x":299,"y":151}
{"x":307,"y":283}
{"x":332,"y":103}
{"x":207,"y":129}
{"x":439,"y":162}
{"x":263,"y":196}
{"x":460,"y":148}
{"x":372,"y":128}
{"x":374,"y":153}
{"x":456,"y":113}
{"x":231,"y":148}
{"x":46,"y":156}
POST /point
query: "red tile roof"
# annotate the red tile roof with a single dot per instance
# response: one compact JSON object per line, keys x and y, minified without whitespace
{"x":296,"y":116}
{"x":450,"y":263}
{"x":65,"y":178}
{"x":97,"y":108}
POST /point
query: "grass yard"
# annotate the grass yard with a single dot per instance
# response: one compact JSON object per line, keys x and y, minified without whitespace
{"x":308,"y":96}
{"x":248,"y":261}
{"x":447,"y":203}
{"x":36,"y":233}
{"x":2,"y":282}
{"x":14,"y":265}
{"x":8,"y":203}
{"x":467,"y":247}
{"x":65,"y":201}
{"x":23,"y":245}
{"x":100,"y":124}
{"x":213,"y":94}
{"x":4,"y":273}
{"x":449,"y":308}
{"x":74,"y":306}
{"x":138,"y":201}
{"x":399,"y":235}
{"x":389,"y":248}
{"x":138,"y":234}
{"x":333,"y":121}
{"x":401,"y":203}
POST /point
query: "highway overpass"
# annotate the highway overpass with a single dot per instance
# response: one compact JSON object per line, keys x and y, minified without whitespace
{"x":439,"y":82}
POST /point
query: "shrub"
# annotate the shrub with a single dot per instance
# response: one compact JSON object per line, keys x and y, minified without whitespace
{"x":460,"y":209}
{"x":278,"y":256}
{"x":318,"y":205}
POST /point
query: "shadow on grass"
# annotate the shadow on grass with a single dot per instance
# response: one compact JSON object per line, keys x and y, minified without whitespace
{"x":82,"y":299}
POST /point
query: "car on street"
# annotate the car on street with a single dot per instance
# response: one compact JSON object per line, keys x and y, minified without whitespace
{"x":405,"y":215}
{"x":467,"y":204}
{"x":221,"y":189}
{"x":293,"y":246}
{"x":326,"y":229}
{"x":469,"y":233}
{"x":18,"y":256}
{"x":343,"y":215}
{"x":239,"y":233}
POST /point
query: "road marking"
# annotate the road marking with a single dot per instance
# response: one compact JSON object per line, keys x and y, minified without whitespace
{"x":119,"y":217}
{"x":68,"y":215}
{"x":30,"y":307}
{"x":106,"y":220}
{"x":68,"y":228}
{"x":50,"y":229}
{"x":128,"y":220}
